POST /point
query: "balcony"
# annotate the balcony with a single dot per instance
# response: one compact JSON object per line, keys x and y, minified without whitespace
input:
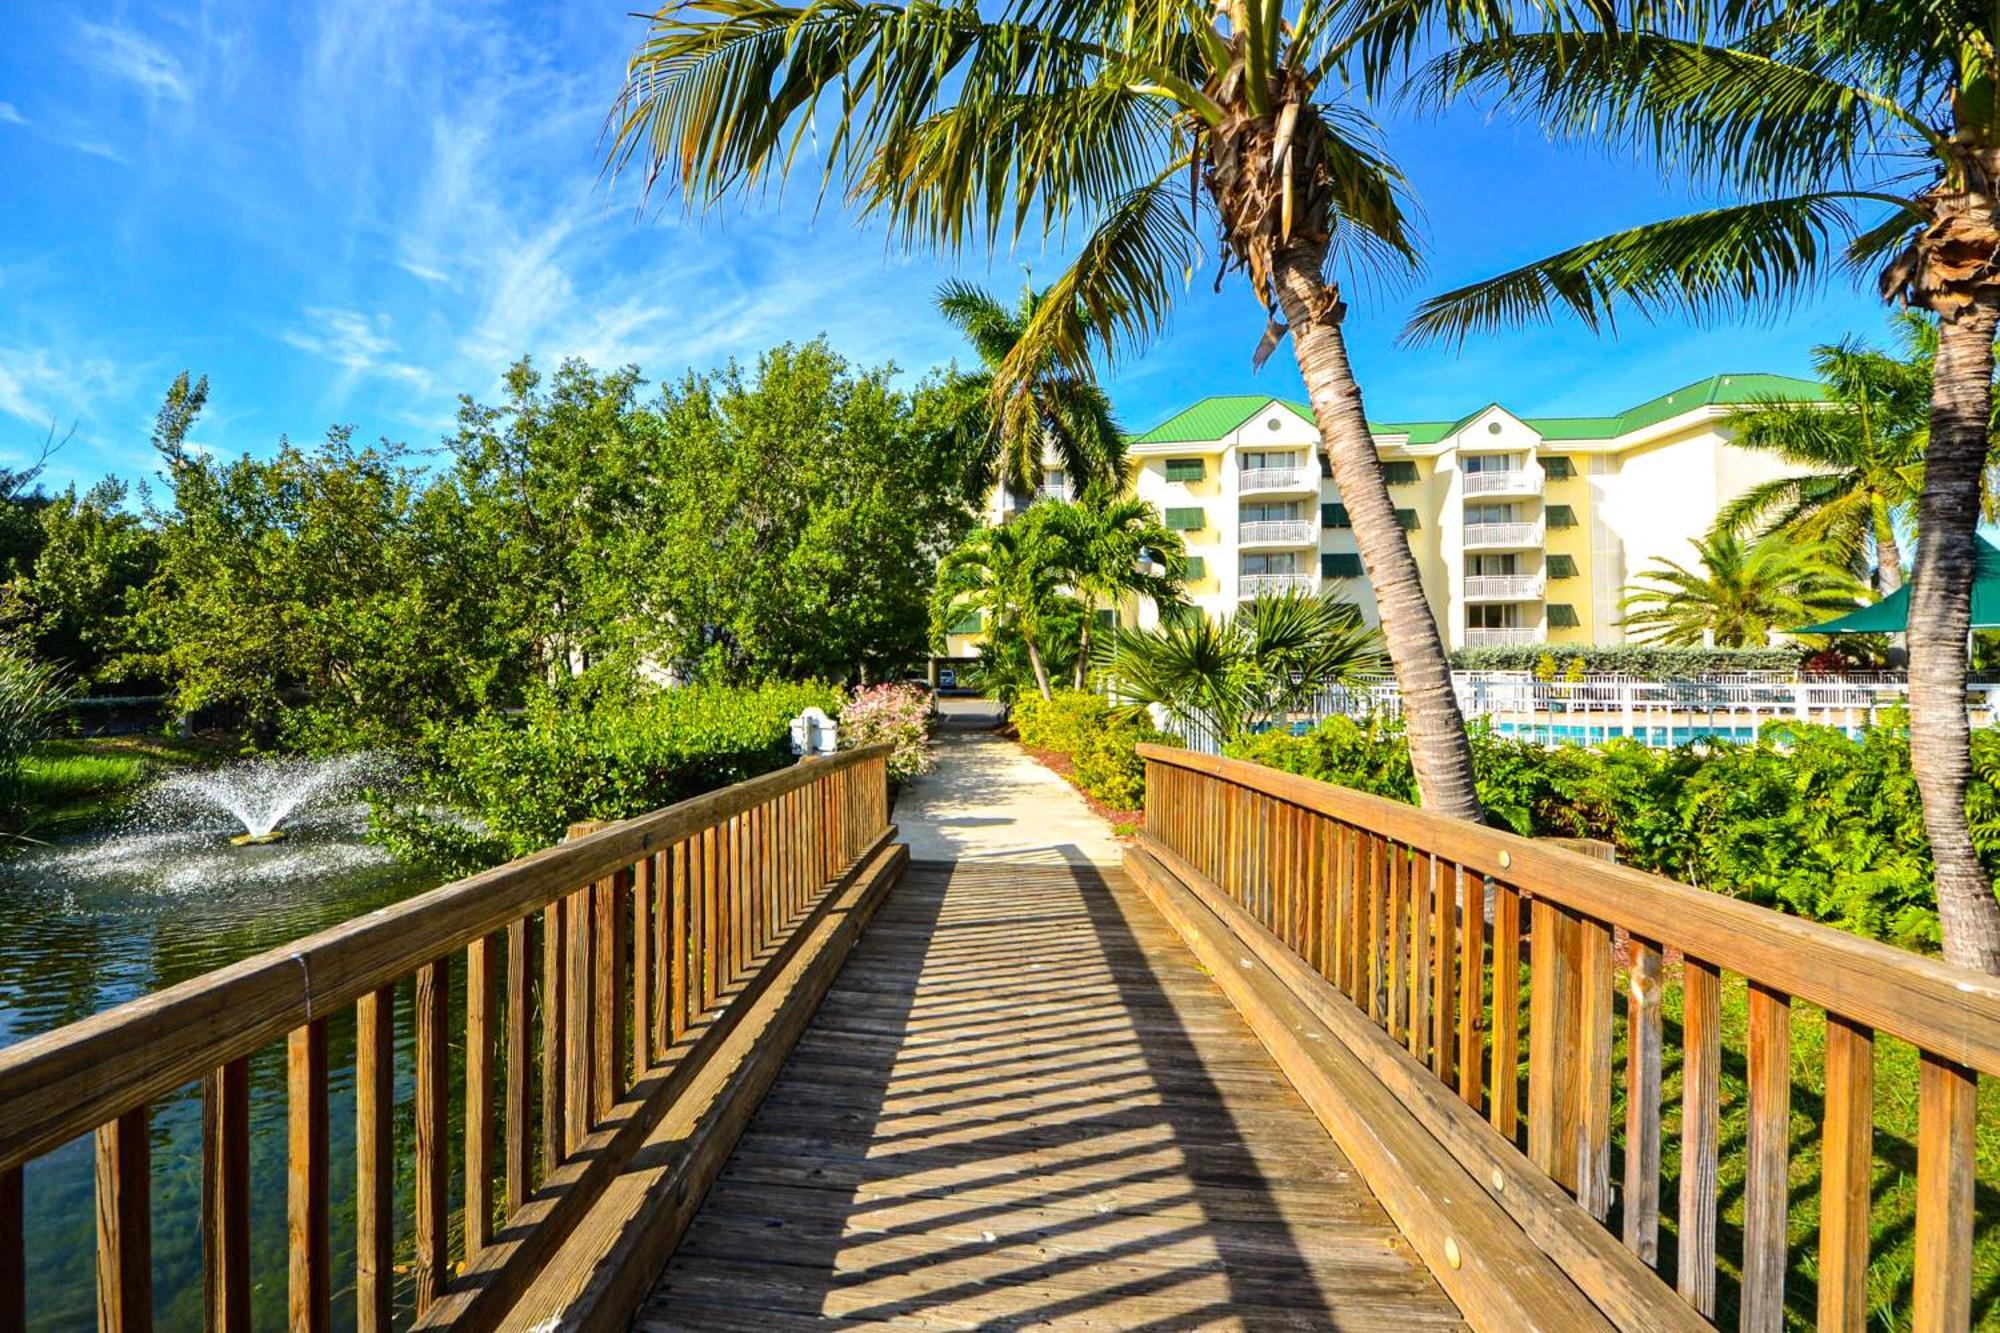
{"x":1055,"y":491}
{"x":1252,"y":480}
{"x":1265,"y":585}
{"x":1502,"y":536}
{"x":1515,"y":481}
{"x":1501,"y":638}
{"x":1277,"y":532}
{"x":1503,"y":587}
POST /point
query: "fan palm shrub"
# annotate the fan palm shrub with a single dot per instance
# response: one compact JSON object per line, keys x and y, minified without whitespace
{"x":1013,"y":577}
{"x":1153,"y":129}
{"x":1740,"y":592}
{"x":1113,"y":548}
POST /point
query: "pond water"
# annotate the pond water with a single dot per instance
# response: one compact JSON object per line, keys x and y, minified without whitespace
{"x":91,"y":923}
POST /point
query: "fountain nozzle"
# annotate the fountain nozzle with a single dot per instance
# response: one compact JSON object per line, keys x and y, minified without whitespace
{"x":257,"y":839}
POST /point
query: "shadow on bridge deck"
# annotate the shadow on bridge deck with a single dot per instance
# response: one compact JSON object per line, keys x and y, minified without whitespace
{"x":1023,"y":1103}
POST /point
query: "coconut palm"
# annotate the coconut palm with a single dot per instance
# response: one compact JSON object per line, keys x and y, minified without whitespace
{"x":1261,"y":663}
{"x":1012,"y":577}
{"x":1863,"y":458}
{"x":1113,"y":549}
{"x":1153,"y":128}
{"x":1045,"y":408}
{"x":1854,"y":136}
{"x":1741,"y":592}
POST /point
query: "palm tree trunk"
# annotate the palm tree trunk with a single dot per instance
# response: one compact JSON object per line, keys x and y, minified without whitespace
{"x":1439,"y":751}
{"x":1083,"y":639}
{"x":1041,"y":671}
{"x":1888,"y":555}
{"x":1939,"y":622}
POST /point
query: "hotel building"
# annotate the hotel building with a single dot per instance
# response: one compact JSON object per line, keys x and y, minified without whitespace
{"x":1525,"y":529}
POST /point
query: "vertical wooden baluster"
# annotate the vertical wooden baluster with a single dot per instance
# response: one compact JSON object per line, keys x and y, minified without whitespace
{"x":1444,"y":1004}
{"x":1701,"y":1065}
{"x":307,"y":1147}
{"x":481,"y":997}
{"x":1504,"y":1108}
{"x":375,"y":1160}
{"x":1595,"y":984}
{"x":13,"y":1250}
{"x":555,"y":1040}
{"x":1471,"y":987}
{"x":433,"y":1093}
{"x":678,"y":942}
{"x":1766,"y":1186}
{"x":1346,"y":873}
{"x":1398,"y":941}
{"x":769,"y":898}
{"x":124,"y":1225}
{"x":1420,"y":956}
{"x":605,"y":1048}
{"x":225,"y":1198}
{"x":1319,"y":879}
{"x":1643,"y":1042}
{"x":1847,"y":1158}
{"x":650,"y":1019}
{"x":519,"y":1141}
{"x":1554,"y":960}
{"x":1947,"y":1120}
{"x":580,"y":976}
{"x":712,"y":933}
{"x":640,"y":926}
{"x":1378,"y":925}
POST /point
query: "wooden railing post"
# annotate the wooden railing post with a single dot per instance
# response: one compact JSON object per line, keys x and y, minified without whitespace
{"x":125,"y":1225}
{"x":374,"y":1160}
{"x":308,"y":1211}
{"x":225,"y":1201}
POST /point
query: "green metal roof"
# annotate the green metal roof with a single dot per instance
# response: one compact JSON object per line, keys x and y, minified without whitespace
{"x":1214,"y":417}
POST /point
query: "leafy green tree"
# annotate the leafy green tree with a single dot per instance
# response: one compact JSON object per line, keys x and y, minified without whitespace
{"x":79,"y":599}
{"x":1034,"y":409}
{"x":1855,"y":137}
{"x":1153,"y":128}
{"x":1012,"y":576}
{"x":1741,"y":592}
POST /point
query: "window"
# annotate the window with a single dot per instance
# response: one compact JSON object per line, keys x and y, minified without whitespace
{"x":969,"y":623}
{"x":1333,"y":516}
{"x":1249,"y":460}
{"x":1491,"y":513}
{"x":1185,"y":520}
{"x":1401,"y":473}
{"x":1490,"y":462}
{"x":1562,"y":516}
{"x":1558,"y":467}
{"x":1340,"y":565}
{"x":1490,"y":565}
{"x":1196,"y":567}
{"x":1276,"y":562}
{"x":1562,"y":567}
{"x":1562,"y":616}
{"x":1186,"y":469}
{"x":1406,"y":519}
{"x":1269,"y":511}
{"x":1499,"y":615}
{"x":1107,"y":619}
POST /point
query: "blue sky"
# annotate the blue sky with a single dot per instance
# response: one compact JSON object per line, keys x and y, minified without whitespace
{"x":352,"y":212}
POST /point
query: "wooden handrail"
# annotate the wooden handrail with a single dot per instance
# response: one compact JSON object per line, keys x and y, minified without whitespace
{"x":648,"y":926}
{"x":1423,"y":922}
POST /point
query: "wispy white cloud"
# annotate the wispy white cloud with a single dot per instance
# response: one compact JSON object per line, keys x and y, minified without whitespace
{"x":135,"y":58}
{"x":11,"y":114}
{"x":354,"y":342}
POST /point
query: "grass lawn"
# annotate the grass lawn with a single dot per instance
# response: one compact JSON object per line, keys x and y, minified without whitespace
{"x":67,"y":785}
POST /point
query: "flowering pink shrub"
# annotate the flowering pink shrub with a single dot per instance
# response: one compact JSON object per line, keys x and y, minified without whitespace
{"x":897,"y":714}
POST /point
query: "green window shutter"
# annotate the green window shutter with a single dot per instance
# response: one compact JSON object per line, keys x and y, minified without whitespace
{"x":1185,"y":520}
{"x":969,"y":623}
{"x":1181,"y":614}
{"x":1558,"y":468}
{"x":1333,"y":516}
{"x":1339,"y":565}
{"x":1186,"y":469}
{"x":1400,"y":473}
{"x":1107,"y":619}
{"x":1562,"y":616}
{"x":1562,"y":516}
{"x":1197,"y":568}
{"x":1562,"y":567}
{"x":1406,"y":519}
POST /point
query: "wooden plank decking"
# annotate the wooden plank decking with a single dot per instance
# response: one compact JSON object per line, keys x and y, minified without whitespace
{"x":1024,"y":1104}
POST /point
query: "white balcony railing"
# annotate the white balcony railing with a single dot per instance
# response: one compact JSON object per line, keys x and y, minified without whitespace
{"x":1501,"y":638}
{"x":1516,"y":481}
{"x":1272,"y":479}
{"x":1276,"y":532}
{"x":1502,"y":534}
{"x":1503,"y":587}
{"x":1262,"y":585}
{"x":1057,"y":491}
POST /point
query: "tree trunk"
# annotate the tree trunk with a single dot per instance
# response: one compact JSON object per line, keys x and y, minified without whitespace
{"x":1939,"y":622}
{"x":1083,"y":639}
{"x":1439,"y":751}
{"x":1888,"y":555}
{"x":1041,"y":672}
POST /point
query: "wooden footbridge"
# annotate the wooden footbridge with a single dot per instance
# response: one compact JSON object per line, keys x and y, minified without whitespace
{"x":1308,"y":1059}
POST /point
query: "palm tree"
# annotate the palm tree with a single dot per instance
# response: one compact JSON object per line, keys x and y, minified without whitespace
{"x":1154,"y":128}
{"x":1113,"y":548}
{"x":1864,"y":455}
{"x":1857,"y":136}
{"x":1046,"y":407}
{"x":1012,"y":576}
{"x":1261,"y":663}
{"x":1740,"y":593}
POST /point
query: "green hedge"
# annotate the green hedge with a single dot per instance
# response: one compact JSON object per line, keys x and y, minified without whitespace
{"x":1804,"y":820}
{"x":1099,"y":742}
{"x":498,"y":788}
{"x":1631,"y":659}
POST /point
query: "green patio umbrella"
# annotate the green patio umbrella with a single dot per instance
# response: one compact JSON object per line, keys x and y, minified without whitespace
{"x":1891,"y":615}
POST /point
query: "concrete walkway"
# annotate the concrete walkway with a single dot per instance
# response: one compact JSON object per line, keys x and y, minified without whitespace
{"x":988,"y":800}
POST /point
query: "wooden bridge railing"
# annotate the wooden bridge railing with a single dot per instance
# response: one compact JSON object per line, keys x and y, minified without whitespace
{"x":1372,"y":896}
{"x":587,"y":969}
